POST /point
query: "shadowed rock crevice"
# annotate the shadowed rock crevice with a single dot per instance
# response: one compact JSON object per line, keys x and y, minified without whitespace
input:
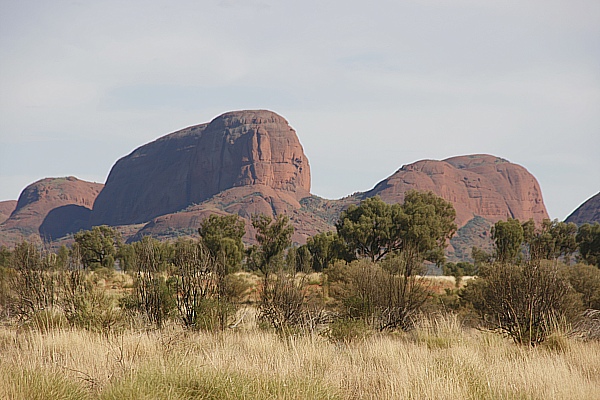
{"x":63,"y":221}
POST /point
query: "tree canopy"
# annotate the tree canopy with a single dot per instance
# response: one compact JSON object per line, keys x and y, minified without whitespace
{"x":273,"y":237}
{"x":588,"y":239}
{"x":508,"y":237}
{"x":422,"y":224}
{"x":98,"y":247}
{"x":222,"y":236}
{"x":325,"y":248}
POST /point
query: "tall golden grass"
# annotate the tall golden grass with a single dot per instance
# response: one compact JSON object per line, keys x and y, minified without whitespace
{"x":438,"y":360}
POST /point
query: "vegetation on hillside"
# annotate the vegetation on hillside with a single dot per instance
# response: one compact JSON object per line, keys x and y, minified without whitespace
{"x":363,"y":286}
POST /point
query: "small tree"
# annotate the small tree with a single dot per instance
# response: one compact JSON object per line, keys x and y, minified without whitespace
{"x":98,"y":247}
{"x":405,"y":291}
{"x":508,"y":237}
{"x":153,"y":296}
{"x":35,"y":282}
{"x":421,"y":226}
{"x":588,"y":239}
{"x":299,"y":259}
{"x":552,"y":240}
{"x":325,"y":248}
{"x":193,"y":283}
{"x":222,"y":236}
{"x":368,"y":229}
{"x":273,"y":238}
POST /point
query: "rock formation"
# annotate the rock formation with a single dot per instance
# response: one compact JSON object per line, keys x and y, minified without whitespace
{"x":6,"y":208}
{"x":251,"y":162}
{"x":244,"y":201}
{"x":588,"y":212}
{"x":477,"y":185}
{"x":40,"y":198}
{"x":236,"y":149}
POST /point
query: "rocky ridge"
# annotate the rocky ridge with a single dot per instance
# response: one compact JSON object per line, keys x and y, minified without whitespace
{"x":477,"y":185}
{"x":6,"y":208}
{"x":68,"y":199}
{"x":588,"y":212}
{"x":236,"y":149}
{"x":251,"y":162}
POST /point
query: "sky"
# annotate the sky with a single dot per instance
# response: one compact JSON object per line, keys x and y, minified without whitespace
{"x":368,"y":86}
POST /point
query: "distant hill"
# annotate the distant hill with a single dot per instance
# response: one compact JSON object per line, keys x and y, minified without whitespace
{"x":251,"y":162}
{"x":66,"y":201}
{"x":6,"y":208}
{"x":588,"y":212}
{"x":236,"y":149}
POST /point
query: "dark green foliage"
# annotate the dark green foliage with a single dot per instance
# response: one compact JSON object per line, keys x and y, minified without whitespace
{"x":421,"y":226}
{"x":273,"y":238}
{"x":98,"y":247}
{"x":91,"y":307}
{"x":4,"y":256}
{"x":458,"y":270}
{"x":325,"y":248}
{"x":588,"y":239}
{"x":585,"y":279}
{"x":153,"y":297}
{"x":508,"y":237}
{"x":126,"y":257}
{"x":299,"y":259}
{"x":222,"y":236}
{"x":193,"y":281}
{"x":368,"y":229}
{"x":282,"y":300}
{"x":552,"y":240}
{"x":480,"y":257}
{"x":426,"y":224}
{"x":35,"y":283}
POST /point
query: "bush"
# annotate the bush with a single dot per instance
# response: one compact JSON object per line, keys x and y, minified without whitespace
{"x":282,"y":303}
{"x":524,"y":302}
{"x":585,"y":279}
{"x":386,"y":296}
{"x":92,"y":308}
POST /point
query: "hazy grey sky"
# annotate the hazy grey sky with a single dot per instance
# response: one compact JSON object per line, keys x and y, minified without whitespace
{"x":368,"y":86}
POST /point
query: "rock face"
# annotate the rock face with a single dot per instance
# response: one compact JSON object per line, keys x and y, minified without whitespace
{"x":6,"y":208}
{"x":236,"y":149}
{"x":477,"y":185}
{"x":251,"y":162}
{"x":244,"y":201}
{"x":42,"y":197}
{"x":588,"y":212}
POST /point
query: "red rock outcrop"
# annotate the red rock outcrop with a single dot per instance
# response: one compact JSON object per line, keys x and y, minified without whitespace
{"x":477,"y":185}
{"x":6,"y":208}
{"x":588,"y":212}
{"x":43,"y":196}
{"x":236,"y":149}
{"x":244,"y":201}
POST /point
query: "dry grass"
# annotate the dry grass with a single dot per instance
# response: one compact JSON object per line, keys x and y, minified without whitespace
{"x":439,"y":360}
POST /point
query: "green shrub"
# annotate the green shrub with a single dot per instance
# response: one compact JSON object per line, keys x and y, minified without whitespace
{"x":94,"y":309}
{"x":522,"y":301}
{"x":585,"y":279}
